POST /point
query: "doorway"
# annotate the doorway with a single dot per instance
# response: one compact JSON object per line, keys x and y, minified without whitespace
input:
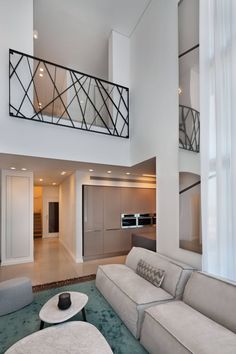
{"x":38,"y":210}
{"x":51,"y":215}
{"x":46,"y":212}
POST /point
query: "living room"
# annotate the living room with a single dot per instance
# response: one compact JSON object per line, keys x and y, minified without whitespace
{"x":170,"y":300}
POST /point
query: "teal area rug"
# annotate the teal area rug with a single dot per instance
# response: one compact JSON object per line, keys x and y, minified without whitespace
{"x":26,"y":321}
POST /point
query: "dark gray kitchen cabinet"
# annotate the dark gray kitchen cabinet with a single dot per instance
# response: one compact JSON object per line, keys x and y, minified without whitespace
{"x":128,"y":200}
{"x":93,"y":243}
{"x":125,"y":240}
{"x":112,"y":208}
{"x":112,"y":241}
{"x":93,"y":208}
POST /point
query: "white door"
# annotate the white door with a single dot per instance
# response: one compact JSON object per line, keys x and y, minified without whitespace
{"x":51,"y":218}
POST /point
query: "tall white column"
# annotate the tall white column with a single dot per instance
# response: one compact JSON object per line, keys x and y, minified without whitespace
{"x":16,"y":217}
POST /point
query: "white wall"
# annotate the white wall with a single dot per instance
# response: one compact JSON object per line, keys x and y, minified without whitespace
{"x":154,"y":110}
{"x":68,"y":201}
{"x":119,"y":72}
{"x":189,"y":161}
{"x":16,"y":217}
{"x":83,"y":46}
{"x":119,"y":59}
{"x":23,"y":137}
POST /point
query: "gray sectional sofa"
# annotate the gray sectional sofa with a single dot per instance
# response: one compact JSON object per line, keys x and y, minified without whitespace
{"x":129,"y":294}
{"x":203,"y":323}
{"x":191,"y":313}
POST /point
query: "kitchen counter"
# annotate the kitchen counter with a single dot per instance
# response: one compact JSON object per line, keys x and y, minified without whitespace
{"x":145,"y":238}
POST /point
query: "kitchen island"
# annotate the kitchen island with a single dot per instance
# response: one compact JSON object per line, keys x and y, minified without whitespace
{"x":145,"y":237}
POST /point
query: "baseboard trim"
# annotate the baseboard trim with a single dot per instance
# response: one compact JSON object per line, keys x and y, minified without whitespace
{"x":15,"y":261}
{"x":68,"y":250}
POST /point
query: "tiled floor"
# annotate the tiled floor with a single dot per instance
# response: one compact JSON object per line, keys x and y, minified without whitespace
{"x":53,"y":263}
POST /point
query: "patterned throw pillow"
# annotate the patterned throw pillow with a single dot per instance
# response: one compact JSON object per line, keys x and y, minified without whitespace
{"x":152,"y":274}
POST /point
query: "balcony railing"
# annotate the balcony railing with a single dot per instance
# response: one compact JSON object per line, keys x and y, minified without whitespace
{"x":49,"y":93}
{"x":189,"y":129}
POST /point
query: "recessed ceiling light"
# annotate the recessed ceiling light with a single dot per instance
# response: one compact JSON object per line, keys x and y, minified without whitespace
{"x":24,"y":169}
{"x":90,"y":170}
{"x":127,"y":173}
{"x":54,"y":183}
{"x":13,"y":168}
{"x":40,"y":179}
{"x":41,"y":69}
{"x":63,"y":173}
{"x":35,"y":34}
{"x":108,"y":171}
{"x":41,"y":74}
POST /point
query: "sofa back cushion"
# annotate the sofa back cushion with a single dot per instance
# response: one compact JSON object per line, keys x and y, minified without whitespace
{"x":176,"y":273}
{"x":213,"y":297}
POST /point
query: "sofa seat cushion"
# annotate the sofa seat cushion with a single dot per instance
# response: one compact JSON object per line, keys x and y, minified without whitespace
{"x":128,"y":294}
{"x":195,"y":332}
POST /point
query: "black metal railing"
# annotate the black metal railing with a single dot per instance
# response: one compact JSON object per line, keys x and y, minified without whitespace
{"x":49,"y":93}
{"x":189,"y":129}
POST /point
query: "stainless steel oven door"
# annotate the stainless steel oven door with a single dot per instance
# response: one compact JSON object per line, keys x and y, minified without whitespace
{"x":144,"y":221}
{"x":128,"y":221}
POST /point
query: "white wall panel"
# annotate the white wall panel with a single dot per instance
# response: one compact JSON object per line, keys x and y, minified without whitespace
{"x":154,"y":112}
{"x":17,"y":217}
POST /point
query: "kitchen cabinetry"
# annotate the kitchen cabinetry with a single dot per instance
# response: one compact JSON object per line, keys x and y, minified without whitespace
{"x":112,"y":241}
{"x":102,"y":209}
{"x":125,"y":240}
{"x":138,"y":200}
{"x":93,"y":243}
{"x":128,"y":205}
{"x":145,"y":200}
{"x":112,"y":208}
{"x":93,"y":208}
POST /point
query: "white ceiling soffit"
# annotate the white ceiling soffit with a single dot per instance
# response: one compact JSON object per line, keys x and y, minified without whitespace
{"x":50,"y":169}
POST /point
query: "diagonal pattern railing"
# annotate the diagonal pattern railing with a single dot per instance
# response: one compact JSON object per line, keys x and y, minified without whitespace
{"x":49,"y":93}
{"x":189,"y":129}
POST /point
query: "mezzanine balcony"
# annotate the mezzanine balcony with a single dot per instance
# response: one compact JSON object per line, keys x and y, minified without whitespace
{"x":45,"y":92}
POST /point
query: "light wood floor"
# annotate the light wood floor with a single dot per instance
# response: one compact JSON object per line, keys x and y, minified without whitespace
{"x":53,"y":263}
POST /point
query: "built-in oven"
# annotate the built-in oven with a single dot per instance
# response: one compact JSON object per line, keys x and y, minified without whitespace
{"x":154,"y":219}
{"x":137,"y":220}
{"x":144,"y":219}
{"x":128,"y":220}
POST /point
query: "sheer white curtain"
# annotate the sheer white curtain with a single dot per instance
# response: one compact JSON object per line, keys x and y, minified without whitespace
{"x":218,"y":135}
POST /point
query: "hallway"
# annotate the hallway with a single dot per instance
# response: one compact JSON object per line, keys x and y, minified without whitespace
{"x":53,"y":263}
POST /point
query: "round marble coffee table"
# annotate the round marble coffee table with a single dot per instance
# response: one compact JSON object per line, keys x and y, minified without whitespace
{"x":50,"y":312}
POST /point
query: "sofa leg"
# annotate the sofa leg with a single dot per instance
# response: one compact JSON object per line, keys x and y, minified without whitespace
{"x":41,"y":325}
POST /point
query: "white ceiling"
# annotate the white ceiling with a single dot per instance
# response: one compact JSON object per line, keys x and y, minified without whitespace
{"x":119,"y":15}
{"x":50,"y":169}
{"x":75,"y":32}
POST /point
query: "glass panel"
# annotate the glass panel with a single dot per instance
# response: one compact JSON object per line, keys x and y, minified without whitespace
{"x":190,"y":237}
